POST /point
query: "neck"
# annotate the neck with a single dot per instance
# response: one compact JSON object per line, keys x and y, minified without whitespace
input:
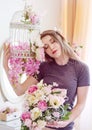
{"x":62,"y":60}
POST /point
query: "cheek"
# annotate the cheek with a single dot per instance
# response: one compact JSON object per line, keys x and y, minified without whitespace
{"x":59,"y":47}
{"x":48,"y":51}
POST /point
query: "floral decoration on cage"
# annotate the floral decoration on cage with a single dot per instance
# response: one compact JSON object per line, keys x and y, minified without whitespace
{"x":25,"y":45}
{"x":44,"y":103}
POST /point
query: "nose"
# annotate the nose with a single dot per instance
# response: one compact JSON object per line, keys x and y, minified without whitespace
{"x":51,"y":46}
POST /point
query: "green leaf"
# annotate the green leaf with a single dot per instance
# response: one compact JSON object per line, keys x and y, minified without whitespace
{"x":24,"y":128}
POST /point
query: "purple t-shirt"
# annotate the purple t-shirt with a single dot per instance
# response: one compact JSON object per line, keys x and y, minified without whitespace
{"x":70,"y":76}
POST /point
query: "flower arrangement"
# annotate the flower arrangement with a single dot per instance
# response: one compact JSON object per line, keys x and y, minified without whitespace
{"x":30,"y":17}
{"x":44,"y":103}
{"x":19,"y":66}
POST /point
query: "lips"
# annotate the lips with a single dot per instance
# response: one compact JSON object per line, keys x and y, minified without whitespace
{"x":54,"y":51}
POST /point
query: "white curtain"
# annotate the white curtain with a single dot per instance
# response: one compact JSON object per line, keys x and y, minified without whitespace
{"x":76,"y":26}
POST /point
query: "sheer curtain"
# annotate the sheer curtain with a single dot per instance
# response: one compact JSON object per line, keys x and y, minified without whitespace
{"x":76,"y":26}
{"x":74,"y":21}
{"x":87,"y":114}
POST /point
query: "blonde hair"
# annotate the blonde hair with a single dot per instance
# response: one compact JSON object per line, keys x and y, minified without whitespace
{"x":66,"y":48}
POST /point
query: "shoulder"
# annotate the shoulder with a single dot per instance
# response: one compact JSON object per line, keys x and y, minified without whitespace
{"x":45,"y":64}
{"x":79,"y":64}
{"x":81,"y":69}
{"x":82,"y":72}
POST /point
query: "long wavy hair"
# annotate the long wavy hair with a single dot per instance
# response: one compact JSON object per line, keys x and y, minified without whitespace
{"x":66,"y":48}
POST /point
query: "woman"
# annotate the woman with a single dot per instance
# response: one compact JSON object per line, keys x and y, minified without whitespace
{"x":62,"y":66}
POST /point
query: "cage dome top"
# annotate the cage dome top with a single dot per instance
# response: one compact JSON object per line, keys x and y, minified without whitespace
{"x":24,"y":30}
{"x":25,"y":19}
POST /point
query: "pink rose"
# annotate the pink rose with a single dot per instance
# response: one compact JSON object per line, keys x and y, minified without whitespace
{"x":25,"y":115}
{"x":34,"y":19}
{"x":28,"y":123}
{"x":32,"y":89}
{"x":42,"y":105}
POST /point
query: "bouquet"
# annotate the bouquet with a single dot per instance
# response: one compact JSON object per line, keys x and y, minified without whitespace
{"x":44,"y":103}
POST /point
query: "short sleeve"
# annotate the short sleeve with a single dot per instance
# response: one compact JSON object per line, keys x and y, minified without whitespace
{"x":83,"y":76}
{"x":40,"y":72}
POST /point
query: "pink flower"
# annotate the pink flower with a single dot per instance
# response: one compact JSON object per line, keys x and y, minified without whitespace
{"x":56,"y":114}
{"x":28,"y":122}
{"x":31,"y":67}
{"x":40,"y":54}
{"x":34,"y":19}
{"x":42,"y":105}
{"x":25,"y":115}
{"x":32,"y":89}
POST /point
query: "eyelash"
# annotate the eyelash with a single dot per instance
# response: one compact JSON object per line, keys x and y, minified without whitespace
{"x":46,"y":47}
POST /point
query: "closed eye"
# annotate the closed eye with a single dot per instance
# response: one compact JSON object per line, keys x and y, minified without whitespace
{"x":46,"y":46}
{"x":52,"y":40}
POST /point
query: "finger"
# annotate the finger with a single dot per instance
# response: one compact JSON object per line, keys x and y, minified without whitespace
{"x":50,"y":123}
{"x":53,"y":126}
{"x":6,"y":47}
{"x":6,"y":50}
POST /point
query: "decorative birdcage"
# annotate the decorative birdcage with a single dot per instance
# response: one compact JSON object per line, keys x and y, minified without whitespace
{"x":26,"y":48}
{"x":24,"y":29}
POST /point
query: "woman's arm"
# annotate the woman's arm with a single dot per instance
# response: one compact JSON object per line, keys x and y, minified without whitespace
{"x":19,"y":88}
{"x":6,"y":56}
{"x":81,"y":100}
{"x":76,"y":111}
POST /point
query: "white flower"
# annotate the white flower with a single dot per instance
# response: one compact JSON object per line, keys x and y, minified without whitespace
{"x":54,"y":101}
{"x":55,"y":84}
{"x":48,"y":118}
{"x":35,"y":113}
{"x":40,"y":54}
{"x":41,"y":123}
{"x":64,"y":93}
{"x":39,"y":95}
{"x":32,"y":99}
{"x":46,"y":90}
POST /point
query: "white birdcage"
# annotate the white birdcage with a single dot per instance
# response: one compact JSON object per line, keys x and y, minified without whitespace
{"x":24,"y":29}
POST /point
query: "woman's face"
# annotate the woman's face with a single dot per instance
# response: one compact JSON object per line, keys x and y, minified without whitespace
{"x":51,"y":47}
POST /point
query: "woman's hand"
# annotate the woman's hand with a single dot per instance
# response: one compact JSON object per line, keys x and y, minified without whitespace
{"x":58,"y":124}
{"x":6,"y":55}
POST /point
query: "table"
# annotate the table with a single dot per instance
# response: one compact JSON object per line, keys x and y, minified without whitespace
{"x":10,"y":125}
